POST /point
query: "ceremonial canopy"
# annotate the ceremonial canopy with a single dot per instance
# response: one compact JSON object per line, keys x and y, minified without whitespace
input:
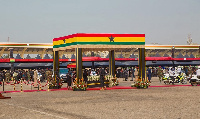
{"x":98,"y":42}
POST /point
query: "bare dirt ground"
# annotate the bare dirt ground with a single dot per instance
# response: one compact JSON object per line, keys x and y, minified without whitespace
{"x":151,"y":103}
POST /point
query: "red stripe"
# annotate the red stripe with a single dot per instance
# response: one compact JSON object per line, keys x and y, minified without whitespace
{"x":4,"y":60}
{"x":109,"y":35}
{"x":64,"y":37}
{"x":100,"y":59}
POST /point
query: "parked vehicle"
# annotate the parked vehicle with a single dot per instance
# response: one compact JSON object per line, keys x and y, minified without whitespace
{"x":63,"y":74}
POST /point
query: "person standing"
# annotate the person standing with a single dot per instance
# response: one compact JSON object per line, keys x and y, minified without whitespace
{"x":190,"y":71}
{"x":43,"y":75}
{"x":35,"y":76}
{"x":125,"y":74}
{"x":8,"y":76}
{"x":23,"y":75}
{"x":198,"y":72}
{"x":102,"y":74}
{"x":160,"y":73}
{"x":132,"y":72}
{"x":16,"y":75}
{"x":136,"y":74}
{"x":172,"y":74}
{"x":85,"y":75}
{"x":31,"y":74}
{"x":121,"y":73}
{"x":149,"y":74}
{"x":19,"y":74}
{"x":28,"y":76}
{"x":1,"y":76}
{"x":47,"y":72}
{"x":69,"y":81}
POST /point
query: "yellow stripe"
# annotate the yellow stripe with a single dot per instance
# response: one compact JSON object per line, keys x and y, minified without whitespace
{"x":106,"y":39}
{"x":70,"y":40}
{"x":100,"y":39}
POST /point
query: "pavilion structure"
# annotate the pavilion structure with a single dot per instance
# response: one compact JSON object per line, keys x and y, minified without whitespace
{"x":99,"y":42}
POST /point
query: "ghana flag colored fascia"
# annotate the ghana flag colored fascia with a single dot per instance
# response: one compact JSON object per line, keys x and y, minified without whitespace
{"x":99,"y":39}
{"x":12,"y":60}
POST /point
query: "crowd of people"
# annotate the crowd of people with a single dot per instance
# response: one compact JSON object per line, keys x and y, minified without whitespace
{"x":46,"y":74}
{"x":157,"y":72}
{"x":26,"y":74}
{"x":187,"y":70}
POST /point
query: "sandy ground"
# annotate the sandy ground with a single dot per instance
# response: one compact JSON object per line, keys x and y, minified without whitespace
{"x":155,"y":102}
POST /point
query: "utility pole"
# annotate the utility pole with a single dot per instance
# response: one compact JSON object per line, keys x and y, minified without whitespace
{"x":8,"y":39}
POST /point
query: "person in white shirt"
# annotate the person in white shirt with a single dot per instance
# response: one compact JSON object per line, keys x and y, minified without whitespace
{"x":198,"y":72}
{"x":178,"y":70}
{"x":172,"y":74}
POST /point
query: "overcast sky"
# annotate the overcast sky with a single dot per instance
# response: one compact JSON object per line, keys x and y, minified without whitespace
{"x":39,"y":21}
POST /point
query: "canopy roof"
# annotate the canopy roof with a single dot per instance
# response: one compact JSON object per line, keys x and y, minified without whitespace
{"x":99,"y":41}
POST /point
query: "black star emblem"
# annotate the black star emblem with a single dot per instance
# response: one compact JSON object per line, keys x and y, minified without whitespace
{"x":111,"y":39}
{"x":64,"y":40}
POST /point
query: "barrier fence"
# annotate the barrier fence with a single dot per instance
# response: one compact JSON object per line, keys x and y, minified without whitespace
{"x":22,"y":82}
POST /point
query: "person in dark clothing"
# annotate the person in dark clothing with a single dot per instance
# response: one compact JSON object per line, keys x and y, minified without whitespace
{"x":149,"y":74}
{"x":74,"y":76}
{"x":102,"y":74}
{"x":31,"y":75}
{"x":1,"y":78}
{"x":43,"y":75}
{"x":25,"y":75}
{"x":3,"y":75}
{"x":69,"y":81}
{"x":85,"y":74}
{"x":125,"y":74}
{"x":118,"y":73}
{"x":20,"y":75}
{"x":132,"y":74}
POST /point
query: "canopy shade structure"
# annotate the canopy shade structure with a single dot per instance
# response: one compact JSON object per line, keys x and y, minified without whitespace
{"x":99,"y":41}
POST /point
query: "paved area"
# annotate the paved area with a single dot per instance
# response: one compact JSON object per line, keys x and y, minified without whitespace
{"x":155,"y":102}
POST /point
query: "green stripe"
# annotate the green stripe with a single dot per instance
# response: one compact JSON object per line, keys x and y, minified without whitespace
{"x":99,"y":43}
